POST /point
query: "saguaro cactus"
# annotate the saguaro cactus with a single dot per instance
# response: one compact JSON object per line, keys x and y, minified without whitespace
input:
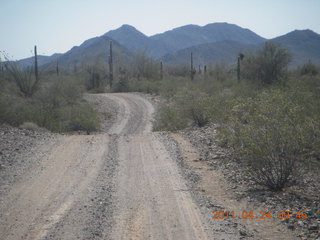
{"x":240,"y":57}
{"x":57,"y":68}
{"x":110,"y":65}
{"x":161,"y":70}
{"x":36,"y":73}
{"x":1,"y":68}
{"x":192,"y":70}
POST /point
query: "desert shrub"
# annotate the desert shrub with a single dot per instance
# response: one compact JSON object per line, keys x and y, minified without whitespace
{"x":144,"y":67}
{"x":96,"y":79}
{"x":61,"y":91}
{"x":14,"y":110}
{"x":309,"y":69}
{"x":62,"y":109}
{"x":269,"y":134}
{"x":194,"y":105}
{"x":23,"y":78}
{"x":179,"y":70}
{"x":219,"y":71}
{"x":169,"y":118}
{"x":169,"y":86}
{"x":305,"y":92}
{"x":190,"y":101}
{"x":56,"y":106}
{"x":268,"y":65}
{"x":122,"y":85}
{"x":144,"y":85}
{"x":83,"y":118}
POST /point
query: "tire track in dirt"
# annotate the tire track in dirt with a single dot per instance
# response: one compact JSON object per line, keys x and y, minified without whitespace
{"x":37,"y":203}
{"x":151,"y":200}
{"x":122,"y":184}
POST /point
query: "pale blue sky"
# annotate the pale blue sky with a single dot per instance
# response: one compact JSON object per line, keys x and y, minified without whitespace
{"x":58,"y":25}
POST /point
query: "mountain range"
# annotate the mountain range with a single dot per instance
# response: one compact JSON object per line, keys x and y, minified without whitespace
{"x":214,"y":42}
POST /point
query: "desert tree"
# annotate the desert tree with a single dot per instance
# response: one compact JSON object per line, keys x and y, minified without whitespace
{"x":309,"y":69}
{"x":26,"y":79}
{"x":269,"y":64}
{"x":143,"y":66}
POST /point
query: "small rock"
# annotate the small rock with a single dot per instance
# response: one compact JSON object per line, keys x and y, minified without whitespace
{"x":285,"y":220}
{"x":243,"y":232}
{"x":291,"y":227}
{"x":300,"y":223}
{"x":313,"y":227}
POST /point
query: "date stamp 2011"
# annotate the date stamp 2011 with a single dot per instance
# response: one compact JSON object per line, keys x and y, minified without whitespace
{"x":259,"y":215}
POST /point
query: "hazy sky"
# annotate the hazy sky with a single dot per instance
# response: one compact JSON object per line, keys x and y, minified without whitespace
{"x":58,"y":25}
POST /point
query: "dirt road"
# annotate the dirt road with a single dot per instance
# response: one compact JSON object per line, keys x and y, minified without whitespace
{"x":122,"y":184}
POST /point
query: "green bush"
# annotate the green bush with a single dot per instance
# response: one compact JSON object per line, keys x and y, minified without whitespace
{"x":270,"y":133}
{"x":194,"y":105}
{"x":57,"y":106}
{"x":144,"y":67}
{"x":24,"y":79}
{"x":14,"y":110}
{"x":84,"y":118}
{"x":122,"y":85}
{"x":309,"y":69}
{"x":144,"y":85}
{"x":268,"y":65}
{"x":168,"y":118}
{"x":169,"y":86}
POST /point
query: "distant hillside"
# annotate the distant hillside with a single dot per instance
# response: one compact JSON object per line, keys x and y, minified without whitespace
{"x":129,"y":37}
{"x":211,"y":43}
{"x":182,"y":37}
{"x":92,"y":51}
{"x":191,"y":35}
{"x":42,"y":60}
{"x":303,"y":44}
{"x":226,"y":51}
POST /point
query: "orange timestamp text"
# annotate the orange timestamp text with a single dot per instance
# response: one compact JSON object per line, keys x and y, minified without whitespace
{"x":259,"y":215}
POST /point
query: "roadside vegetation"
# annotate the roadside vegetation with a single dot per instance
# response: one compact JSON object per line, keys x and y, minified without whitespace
{"x":52,"y":101}
{"x":269,"y":115}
